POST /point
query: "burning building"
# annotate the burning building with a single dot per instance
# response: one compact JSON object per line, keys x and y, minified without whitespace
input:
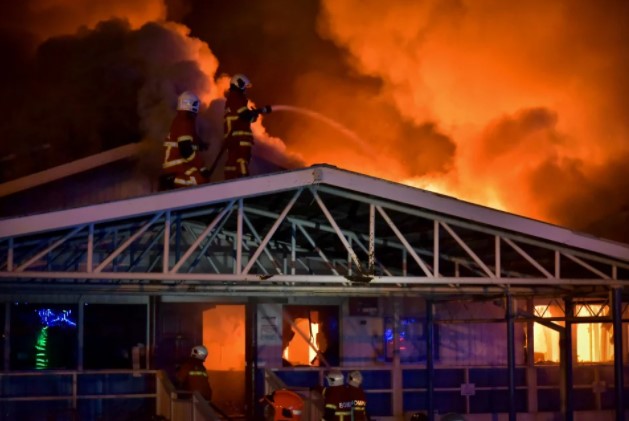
{"x":444,"y":306}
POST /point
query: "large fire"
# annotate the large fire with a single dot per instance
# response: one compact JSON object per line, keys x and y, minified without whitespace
{"x":517,"y":106}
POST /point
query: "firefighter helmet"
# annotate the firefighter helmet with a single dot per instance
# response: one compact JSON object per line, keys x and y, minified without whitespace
{"x":334,"y":378}
{"x":199,"y":352}
{"x":355,"y":378}
{"x":240,"y":81}
{"x":188,"y":101}
{"x":283,"y":405}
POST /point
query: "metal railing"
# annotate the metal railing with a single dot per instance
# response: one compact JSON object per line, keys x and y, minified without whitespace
{"x":176,"y":405}
{"x":71,"y":394}
{"x":470,"y":390}
{"x":98,"y":394}
{"x":313,"y":401}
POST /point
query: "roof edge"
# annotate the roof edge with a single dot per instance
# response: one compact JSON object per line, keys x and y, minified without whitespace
{"x":316,"y":174}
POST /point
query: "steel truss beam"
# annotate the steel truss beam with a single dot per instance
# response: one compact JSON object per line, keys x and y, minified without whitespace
{"x":322,"y":237}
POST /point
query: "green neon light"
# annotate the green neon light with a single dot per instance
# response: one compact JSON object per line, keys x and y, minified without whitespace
{"x":41,"y":356}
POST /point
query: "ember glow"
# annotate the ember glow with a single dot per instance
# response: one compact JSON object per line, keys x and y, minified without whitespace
{"x":519,"y":88}
{"x":517,"y":106}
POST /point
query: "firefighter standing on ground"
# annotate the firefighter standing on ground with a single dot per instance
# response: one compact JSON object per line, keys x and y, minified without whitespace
{"x":182,"y":164}
{"x":357,"y":394}
{"x":337,"y":398}
{"x":192,"y":375}
{"x":237,"y":127}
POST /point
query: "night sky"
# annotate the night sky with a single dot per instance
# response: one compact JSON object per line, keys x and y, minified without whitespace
{"x":521,"y":106}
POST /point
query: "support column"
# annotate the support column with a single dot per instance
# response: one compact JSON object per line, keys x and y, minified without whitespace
{"x":81,"y":334}
{"x":7,"y":335}
{"x":396,"y":374}
{"x":430,"y":360}
{"x":511,"y":356}
{"x":151,"y":313}
{"x":565,"y":345}
{"x":531,"y":376}
{"x":616,"y":300}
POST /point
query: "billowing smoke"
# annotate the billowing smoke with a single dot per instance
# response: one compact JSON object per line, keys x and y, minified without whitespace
{"x":533,"y":94}
{"x":84,"y":77}
{"x":519,"y":106}
{"x":92,"y":76}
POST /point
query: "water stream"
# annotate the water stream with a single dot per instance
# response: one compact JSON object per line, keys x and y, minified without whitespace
{"x":364,"y":146}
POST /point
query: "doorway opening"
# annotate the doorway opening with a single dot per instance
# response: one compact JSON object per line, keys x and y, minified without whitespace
{"x":224,"y":338}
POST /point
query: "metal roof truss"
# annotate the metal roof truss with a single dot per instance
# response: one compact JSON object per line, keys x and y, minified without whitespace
{"x":311,"y":238}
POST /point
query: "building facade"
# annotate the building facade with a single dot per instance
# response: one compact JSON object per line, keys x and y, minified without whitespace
{"x":444,"y":306}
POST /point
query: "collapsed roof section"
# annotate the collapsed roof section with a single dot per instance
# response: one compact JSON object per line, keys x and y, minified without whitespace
{"x":315,"y":230}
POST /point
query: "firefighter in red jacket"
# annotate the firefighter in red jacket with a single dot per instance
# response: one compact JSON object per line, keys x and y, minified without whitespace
{"x":182,"y":164}
{"x":357,"y":394}
{"x":337,"y":398}
{"x":237,"y":127}
{"x":192,"y":375}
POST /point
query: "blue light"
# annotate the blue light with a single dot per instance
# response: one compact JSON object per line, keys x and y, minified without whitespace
{"x":51,"y":318}
{"x":388,"y":334}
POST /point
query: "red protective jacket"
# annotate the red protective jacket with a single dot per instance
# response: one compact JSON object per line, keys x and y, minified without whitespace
{"x":181,"y":152}
{"x":338,"y":401}
{"x":238,"y":134}
{"x":192,"y":376}
{"x":359,"y":403}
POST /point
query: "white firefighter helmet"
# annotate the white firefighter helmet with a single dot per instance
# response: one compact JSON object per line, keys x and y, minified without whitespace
{"x":188,"y":101}
{"x":355,"y":378}
{"x":199,"y":352}
{"x":334,"y":378}
{"x":240,"y":81}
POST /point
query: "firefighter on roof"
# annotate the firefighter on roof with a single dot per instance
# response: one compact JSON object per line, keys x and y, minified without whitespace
{"x":237,"y":127}
{"x":192,"y":375}
{"x":182,"y":164}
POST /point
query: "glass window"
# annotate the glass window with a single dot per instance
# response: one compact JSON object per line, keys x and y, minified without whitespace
{"x":111,"y":333}
{"x":412,"y":339}
{"x":43,"y":336}
{"x":545,"y":339}
{"x":309,"y":333}
{"x":593,"y":341}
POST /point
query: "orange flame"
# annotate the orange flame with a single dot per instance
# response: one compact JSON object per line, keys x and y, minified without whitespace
{"x":517,"y":106}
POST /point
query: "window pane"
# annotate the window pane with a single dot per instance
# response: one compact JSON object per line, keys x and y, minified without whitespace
{"x":545,"y":339}
{"x":412,"y":339}
{"x":111,"y":332}
{"x":310,"y":328}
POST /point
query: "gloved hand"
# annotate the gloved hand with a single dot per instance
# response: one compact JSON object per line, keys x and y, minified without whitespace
{"x":186,"y":148}
{"x":249,"y":115}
